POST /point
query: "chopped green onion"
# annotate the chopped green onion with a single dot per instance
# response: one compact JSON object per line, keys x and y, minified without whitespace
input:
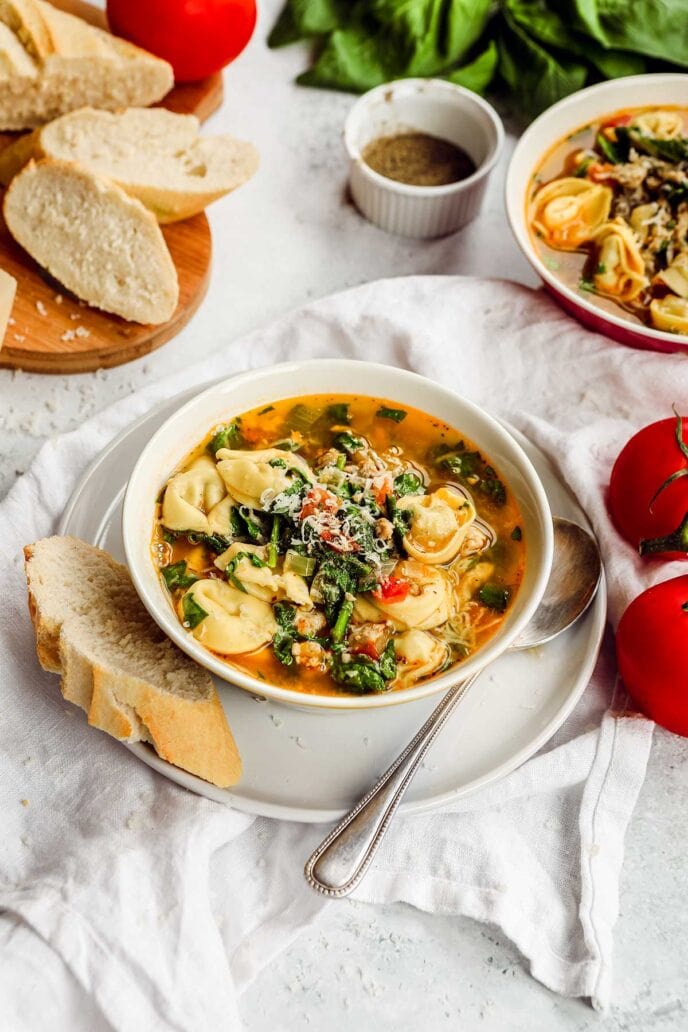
{"x":341,"y":461}
{"x":268,"y":408}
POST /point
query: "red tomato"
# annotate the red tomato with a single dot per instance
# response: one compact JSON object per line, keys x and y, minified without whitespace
{"x":649,"y":460}
{"x":394,"y":589}
{"x":318,"y":499}
{"x":616,"y":120}
{"x":652,"y":651}
{"x":366,"y":648}
{"x":197,"y":37}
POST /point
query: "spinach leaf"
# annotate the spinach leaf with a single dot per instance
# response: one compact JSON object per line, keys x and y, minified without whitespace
{"x":175,"y":576}
{"x":360,"y":674}
{"x":615,"y":151}
{"x":348,"y":442}
{"x":285,"y":636}
{"x":399,"y":518}
{"x":516,"y":534}
{"x":397,"y":415}
{"x":193,"y":612}
{"x":230,"y":568}
{"x":470,"y":467}
{"x":213,"y":542}
{"x":494,"y":597}
{"x":674,"y":149}
{"x":339,"y":412}
{"x":226,"y":437}
{"x":408,"y":484}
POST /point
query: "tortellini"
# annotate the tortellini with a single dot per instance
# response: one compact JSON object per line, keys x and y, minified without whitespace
{"x":262,"y":581}
{"x":220,"y":518}
{"x":620,"y":269}
{"x":419,"y":655}
{"x":438,"y":524}
{"x":670,"y":313}
{"x":568,"y":211}
{"x":191,"y":496}
{"x":676,"y":275}
{"x":662,"y":125}
{"x":641,"y":217}
{"x":235,"y":623}
{"x":427,"y":604}
{"x":256,"y":477}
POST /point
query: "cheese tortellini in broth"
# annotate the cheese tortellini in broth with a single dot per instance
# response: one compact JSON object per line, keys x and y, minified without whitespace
{"x":620,"y":270}
{"x":427,"y":605}
{"x":253,"y":477}
{"x":235,"y":622}
{"x":438,"y":524}
{"x":568,"y":211}
{"x":191,"y":496}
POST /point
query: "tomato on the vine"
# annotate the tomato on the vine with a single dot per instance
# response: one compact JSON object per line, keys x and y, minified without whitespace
{"x":648,"y":490}
{"x":197,"y":37}
{"x":652,"y":652}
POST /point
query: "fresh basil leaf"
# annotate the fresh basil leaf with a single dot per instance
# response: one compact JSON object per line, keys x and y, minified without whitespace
{"x":642,"y":26}
{"x":536,"y":77}
{"x":479,"y":73}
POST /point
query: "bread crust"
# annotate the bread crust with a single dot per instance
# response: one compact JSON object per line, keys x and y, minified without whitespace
{"x":189,"y":731}
{"x":61,"y":63}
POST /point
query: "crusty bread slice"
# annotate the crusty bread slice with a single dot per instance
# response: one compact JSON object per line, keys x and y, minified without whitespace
{"x":100,"y":243}
{"x":118,"y":665}
{"x":153,"y":154}
{"x":65,"y":63}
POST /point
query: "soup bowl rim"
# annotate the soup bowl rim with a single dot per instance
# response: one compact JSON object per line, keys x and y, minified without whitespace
{"x":625,"y":91}
{"x":167,"y":448}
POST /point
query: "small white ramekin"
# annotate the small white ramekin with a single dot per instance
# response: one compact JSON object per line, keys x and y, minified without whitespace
{"x":432,"y":106}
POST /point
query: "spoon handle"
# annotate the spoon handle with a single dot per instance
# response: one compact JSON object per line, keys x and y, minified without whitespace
{"x":340,"y":861}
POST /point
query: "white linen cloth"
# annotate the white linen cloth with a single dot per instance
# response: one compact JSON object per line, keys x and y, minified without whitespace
{"x":162,"y":905}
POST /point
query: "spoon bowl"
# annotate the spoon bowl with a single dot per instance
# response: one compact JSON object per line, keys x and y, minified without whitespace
{"x":341,"y":860}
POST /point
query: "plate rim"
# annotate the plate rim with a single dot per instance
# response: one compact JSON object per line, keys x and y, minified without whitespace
{"x":597,"y":614}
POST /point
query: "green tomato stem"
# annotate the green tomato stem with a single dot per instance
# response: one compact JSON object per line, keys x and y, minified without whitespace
{"x":677,"y":541}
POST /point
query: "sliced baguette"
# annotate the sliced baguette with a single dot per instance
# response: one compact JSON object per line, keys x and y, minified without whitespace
{"x":52,"y":62}
{"x":118,"y":666}
{"x":100,"y":243}
{"x":182,"y":172}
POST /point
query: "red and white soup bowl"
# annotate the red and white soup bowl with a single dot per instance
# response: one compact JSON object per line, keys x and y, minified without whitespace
{"x":552,"y":126}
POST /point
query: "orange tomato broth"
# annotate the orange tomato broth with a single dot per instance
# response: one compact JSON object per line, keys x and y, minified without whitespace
{"x":570,"y":266}
{"x":416,"y":435}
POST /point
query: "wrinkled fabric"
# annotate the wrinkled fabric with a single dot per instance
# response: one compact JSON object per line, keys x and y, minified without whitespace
{"x":154,"y":907}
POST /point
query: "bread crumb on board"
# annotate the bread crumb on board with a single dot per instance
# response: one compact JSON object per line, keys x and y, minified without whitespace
{"x":40,"y":308}
{"x":24,"y":802}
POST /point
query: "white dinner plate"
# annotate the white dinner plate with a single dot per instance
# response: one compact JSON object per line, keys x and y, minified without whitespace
{"x":307,"y":765}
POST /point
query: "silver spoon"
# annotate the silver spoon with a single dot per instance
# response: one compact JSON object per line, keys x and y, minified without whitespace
{"x":341,"y":860}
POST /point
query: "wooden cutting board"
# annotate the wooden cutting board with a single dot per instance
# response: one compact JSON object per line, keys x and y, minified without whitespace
{"x":52,"y":331}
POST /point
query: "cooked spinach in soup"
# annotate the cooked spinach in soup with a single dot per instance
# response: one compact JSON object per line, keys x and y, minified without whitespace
{"x":608,"y":209}
{"x":339,"y":544}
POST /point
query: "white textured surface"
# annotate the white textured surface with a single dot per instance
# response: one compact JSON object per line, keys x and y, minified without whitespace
{"x":287,"y":237}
